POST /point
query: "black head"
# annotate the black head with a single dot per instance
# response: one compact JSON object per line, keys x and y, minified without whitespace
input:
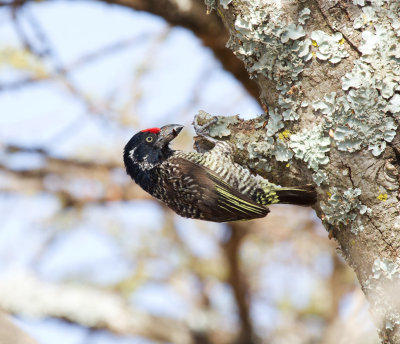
{"x":148,"y":148}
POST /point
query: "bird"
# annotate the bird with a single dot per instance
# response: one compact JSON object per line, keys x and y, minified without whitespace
{"x":209,"y":186}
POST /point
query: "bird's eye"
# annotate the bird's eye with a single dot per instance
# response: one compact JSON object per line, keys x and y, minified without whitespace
{"x":149,"y":139}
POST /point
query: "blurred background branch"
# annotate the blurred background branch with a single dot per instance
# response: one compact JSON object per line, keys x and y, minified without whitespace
{"x":9,"y":333}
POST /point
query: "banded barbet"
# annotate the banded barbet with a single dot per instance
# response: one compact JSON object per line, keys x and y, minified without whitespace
{"x":208,"y":186}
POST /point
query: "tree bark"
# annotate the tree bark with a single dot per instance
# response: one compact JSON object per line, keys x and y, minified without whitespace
{"x":329,"y":73}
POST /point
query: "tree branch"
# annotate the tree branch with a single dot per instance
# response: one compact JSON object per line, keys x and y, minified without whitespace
{"x":238,"y":282}
{"x":24,"y":294}
{"x":208,"y":28}
{"x":57,"y":173}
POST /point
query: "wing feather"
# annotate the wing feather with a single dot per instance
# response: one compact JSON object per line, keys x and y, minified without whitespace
{"x":217,"y":200}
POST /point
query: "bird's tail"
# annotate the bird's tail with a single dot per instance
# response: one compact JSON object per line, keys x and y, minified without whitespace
{"x":301,"y":195}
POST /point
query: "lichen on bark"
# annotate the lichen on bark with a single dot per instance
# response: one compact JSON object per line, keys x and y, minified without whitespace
{"x":330,"y":80}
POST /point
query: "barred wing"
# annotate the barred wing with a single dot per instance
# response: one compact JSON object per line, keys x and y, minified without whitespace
{"x":205,"y":192}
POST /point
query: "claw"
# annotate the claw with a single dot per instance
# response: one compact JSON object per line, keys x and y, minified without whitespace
{"x":200,"y":130}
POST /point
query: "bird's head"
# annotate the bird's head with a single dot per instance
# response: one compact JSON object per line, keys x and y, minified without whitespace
{"x":149,"y":147}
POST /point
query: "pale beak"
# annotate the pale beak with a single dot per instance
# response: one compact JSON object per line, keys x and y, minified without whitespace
{"x":167,"y":134}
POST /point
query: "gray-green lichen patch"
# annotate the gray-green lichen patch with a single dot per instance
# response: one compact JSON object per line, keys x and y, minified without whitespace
{"x":304,"y":15}
{"x":381,"y":53}
{"x":220,"y":128}
{"x":383,"y":280}
{"x":357,"y":119}
{"x":393,"y":105}
{"x":225,"y":3}
{"x":261,"y":32}
{"x":281,"y":151}
{"x":390,"y":324}
{"x":363,"y":116}
{"x":367,"y":17}
{"x":261,"y":148}
{"x":240,"y":140}
{"x":310,"y":146}
{"x":293,"y":32}
{"x":344,"y":208}
{"x":261,"y":165}
{"x":289,"y":105}
{"x":275,"y":122}
{"x":272,"y":47}
{"x":320,"y":177}
{"x":385,"y":268}
{"x":329,"y":47}
{"x":359,"y":2}
{"x":270,"y":143}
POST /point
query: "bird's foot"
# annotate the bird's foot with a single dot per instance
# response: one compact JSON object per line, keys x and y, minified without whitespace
{"x":201,"y":130}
